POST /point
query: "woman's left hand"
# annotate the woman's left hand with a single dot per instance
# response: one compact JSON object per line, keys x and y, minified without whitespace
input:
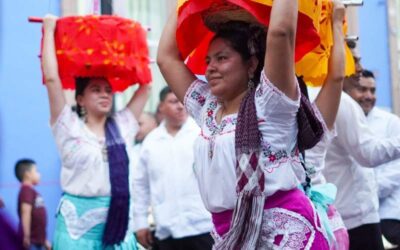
{"x":339,"y":11}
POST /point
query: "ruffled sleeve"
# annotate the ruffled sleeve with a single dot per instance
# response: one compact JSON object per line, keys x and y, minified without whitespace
{"x":67,"y":132}
{"x":195,"y":99}
{"x":273,"y":105}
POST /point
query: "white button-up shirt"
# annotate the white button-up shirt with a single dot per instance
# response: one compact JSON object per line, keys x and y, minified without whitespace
{"x":387,"y":125}
{"x":356,"y":146}
{"x":165,"y":179}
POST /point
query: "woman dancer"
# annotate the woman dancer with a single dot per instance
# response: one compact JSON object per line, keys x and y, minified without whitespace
{"x":247,"y":161}
{"x":94,"y":209}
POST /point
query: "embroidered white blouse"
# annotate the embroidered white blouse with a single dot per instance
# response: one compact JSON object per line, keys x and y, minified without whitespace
{"x":84,"y":169}
{"x":215,"y":158}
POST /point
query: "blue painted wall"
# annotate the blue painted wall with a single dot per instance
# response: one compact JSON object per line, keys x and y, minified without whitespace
{"x":374,"y":47}
{"x":24,"y":113}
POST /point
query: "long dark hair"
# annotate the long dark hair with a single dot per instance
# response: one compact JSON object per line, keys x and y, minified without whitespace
{"x":81,"y":84}
{"x":246,"y":39}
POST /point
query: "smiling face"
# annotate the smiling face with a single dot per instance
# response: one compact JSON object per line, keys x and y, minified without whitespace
{"x":97,"y":97}
{"x":364,"y":93}
{"x":227,"y":73}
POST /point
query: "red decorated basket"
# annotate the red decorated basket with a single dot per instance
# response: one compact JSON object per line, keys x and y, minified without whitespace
{"x":102,"y":46}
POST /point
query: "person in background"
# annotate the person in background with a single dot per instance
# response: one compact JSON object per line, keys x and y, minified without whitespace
{"x":384,"y":125}
{"x":147,"y":122}
{"x":92,"y":143}
{"x":348,"y":164}
{"x":159,"y":115}
{"x":31,"y":208}
{"x":165,"y":179}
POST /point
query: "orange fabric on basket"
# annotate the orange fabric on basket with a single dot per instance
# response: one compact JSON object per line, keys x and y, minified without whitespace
{"x":102,"y":46}
{"x":314,"y":66}
{"x":193,"y":36}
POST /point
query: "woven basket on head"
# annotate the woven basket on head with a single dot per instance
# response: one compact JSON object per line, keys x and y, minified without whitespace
{"x":222,"y":12}
{"x":197,"y":19}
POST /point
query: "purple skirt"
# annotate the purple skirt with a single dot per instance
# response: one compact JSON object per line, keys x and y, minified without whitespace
{"x":289,"y":222}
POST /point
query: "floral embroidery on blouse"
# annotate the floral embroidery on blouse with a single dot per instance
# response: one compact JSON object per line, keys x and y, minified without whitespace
{"x":275,"y":157}
{"x":198,"y":97}
{"x":213,"y":127}
{"x":210,"y":119}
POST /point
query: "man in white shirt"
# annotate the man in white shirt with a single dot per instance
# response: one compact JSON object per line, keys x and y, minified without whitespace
{"x":165,"y":180}
{"x":348,"y":164}
{"x":384,"y":125}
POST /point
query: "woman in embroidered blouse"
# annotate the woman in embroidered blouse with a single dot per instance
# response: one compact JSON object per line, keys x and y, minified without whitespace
{"x":94,"y":209}
{"x":231,"y":190}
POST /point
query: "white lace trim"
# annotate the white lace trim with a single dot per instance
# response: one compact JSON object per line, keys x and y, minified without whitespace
{"x":336,"y":222}
{"x":78,"y":226}
{"x":293,"y":228}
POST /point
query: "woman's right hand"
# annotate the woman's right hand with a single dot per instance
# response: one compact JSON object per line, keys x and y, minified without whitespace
{"x":49,"y":22}
{"x":50,"y":69}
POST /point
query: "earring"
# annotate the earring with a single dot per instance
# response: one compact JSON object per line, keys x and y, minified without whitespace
{"x":250,"y":84}
{"x":83,"y":112}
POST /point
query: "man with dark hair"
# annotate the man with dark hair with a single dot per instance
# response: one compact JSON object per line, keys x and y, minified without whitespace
{"x":165,"y":180}
{"x":362,"y":89}
{"x":385,"y":125}
{"x":31,"y":209}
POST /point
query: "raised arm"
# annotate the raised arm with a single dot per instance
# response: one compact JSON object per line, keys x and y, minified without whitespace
{"x":328,"y":98}
{"x":138,"y":100}
{"x":279,"y":57}
{"x":172,"y":67}
{"x":50,"y":69}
